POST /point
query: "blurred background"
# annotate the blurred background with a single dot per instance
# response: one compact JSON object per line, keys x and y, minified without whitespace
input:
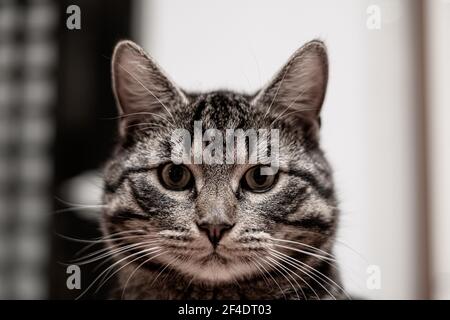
{"x":384,"y":124}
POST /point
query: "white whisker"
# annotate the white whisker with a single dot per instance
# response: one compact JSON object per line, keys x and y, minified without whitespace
{"x":273,"y":279}
{"x":275,"y":266}
{"x":112,"y":266}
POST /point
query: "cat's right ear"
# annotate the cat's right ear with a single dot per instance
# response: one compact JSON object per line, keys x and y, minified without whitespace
{"x":141,"y":88}
{"x":297,"y":91}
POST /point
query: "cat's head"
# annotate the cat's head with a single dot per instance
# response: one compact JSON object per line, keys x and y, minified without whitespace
{"x":221,"y":220}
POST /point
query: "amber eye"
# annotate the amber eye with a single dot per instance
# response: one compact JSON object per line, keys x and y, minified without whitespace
{"x":175,"y":177}
{"x":256,"y":182}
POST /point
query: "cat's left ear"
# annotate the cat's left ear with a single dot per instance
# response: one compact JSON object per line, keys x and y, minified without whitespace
{"x":141,"y":87}
{"x":297,"y":91}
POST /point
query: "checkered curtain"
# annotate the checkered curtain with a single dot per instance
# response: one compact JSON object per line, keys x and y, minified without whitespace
{"x":28,"y":56}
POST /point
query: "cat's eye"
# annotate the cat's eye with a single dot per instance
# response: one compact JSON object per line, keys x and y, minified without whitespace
{"x":255,"y":181}
{"x":175,"y":177}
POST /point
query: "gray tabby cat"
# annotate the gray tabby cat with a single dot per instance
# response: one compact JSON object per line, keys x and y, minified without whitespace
{"x":220,"y":231}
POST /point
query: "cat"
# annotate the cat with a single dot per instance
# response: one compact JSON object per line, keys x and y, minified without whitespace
{"x":220,"y":231}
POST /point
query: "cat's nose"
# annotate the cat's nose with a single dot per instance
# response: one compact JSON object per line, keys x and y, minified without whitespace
{"x":214,"y":232}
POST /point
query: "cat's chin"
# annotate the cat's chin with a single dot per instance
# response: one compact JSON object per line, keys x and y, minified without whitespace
{"x":219,"y":274}
{"x":216,"y":269}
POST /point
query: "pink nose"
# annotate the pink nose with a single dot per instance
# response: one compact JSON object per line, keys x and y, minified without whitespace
{"x":214,"y":232}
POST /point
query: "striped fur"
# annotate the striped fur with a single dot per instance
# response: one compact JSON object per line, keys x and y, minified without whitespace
{"x":301,"y":208}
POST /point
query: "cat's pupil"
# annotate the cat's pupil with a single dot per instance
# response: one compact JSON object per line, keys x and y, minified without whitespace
{"x":258,"y":178}
{"x":176,"y":173}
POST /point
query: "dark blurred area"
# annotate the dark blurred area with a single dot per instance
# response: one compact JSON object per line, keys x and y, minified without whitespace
{"x":84,"y":120}
{"x":57,"y":123}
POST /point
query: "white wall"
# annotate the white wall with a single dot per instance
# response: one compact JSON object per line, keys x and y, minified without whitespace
{"x":368,"y":115}
{"x":438,"y":102}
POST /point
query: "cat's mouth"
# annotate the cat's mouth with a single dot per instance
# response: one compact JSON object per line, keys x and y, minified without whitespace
{"x":199,"y":258}
{"x":215,"y":257}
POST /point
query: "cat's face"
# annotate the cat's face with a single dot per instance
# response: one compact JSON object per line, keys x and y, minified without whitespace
{"x":223,"y":221}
